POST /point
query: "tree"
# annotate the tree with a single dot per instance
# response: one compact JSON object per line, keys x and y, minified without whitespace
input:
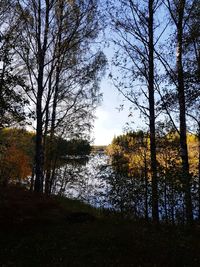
{"x":135,"y":28}
{"x":191,"y":51}
{"x":131,"y":163}
{"x":17,"y":155}
{"x":12,"y":100}
{"x":180,"y":13}
{"x":55,"y":51}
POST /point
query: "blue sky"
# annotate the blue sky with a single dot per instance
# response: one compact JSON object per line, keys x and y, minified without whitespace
{"x":109,"y":120}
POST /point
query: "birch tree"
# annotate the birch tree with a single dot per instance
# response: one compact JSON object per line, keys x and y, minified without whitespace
{"x":53,"y":39}
{"x":134,"y":26}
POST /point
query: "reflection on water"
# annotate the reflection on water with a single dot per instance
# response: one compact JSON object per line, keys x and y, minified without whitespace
{"x":93,"y":180}
{"x":85,"y":179}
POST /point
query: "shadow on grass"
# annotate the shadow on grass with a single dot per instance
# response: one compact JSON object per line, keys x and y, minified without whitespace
{"x":36,"y":230}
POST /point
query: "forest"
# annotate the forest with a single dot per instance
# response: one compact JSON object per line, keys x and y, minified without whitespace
{"x":130,"y":158}
{"x":54,"y":55}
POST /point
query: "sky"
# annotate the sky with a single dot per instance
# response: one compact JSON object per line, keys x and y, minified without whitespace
{"x":109,"y":120}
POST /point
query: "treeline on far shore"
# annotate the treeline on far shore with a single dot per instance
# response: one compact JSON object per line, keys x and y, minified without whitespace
{"x":132,"y":181}
{"x":17,"y":153}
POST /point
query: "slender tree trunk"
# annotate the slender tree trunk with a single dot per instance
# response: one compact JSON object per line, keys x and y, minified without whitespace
{"x":32,"y":178}
{"x":48,"y":171}
{"x":146,"y":188}
{"x":199,"y":170}
{"x":50,"y":155}
{"x":182,"y":112}
{"x":155,"y":213}
{"x":2,"y":110}
{"x":165,"y":200}
{"x":39,"y":158}
{"x":42,"y":47}
{"x":51,"y":151}
{"x":47,"y":107}
{"x":53,"y":174}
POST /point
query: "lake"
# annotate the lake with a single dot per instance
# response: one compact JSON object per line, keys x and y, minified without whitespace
{"x":93,"y":180}
{"x":85,"y":179}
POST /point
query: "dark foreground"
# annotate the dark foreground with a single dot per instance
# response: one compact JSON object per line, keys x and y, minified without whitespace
{"x":39,"y":231}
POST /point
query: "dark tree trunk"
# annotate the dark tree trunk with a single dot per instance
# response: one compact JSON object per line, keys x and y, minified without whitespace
{"x":155,"y":213}
{"x":165,"y":199}
{"x":42,"y":48}
{"x":146,"y":188}
{"x":32,"y":179}
{"x":51,"y":151}
{"x":39,"y":155}
{"x":182,"y":112}
{"x":199,"y":170}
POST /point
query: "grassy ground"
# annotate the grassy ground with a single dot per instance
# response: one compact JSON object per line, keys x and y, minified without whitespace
{"x":40,"y":231}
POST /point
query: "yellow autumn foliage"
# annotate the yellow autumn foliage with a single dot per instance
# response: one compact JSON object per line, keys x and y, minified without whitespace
{"x":129,"y":148}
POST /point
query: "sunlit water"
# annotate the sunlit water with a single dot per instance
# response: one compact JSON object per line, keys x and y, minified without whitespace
{"x":94,"y":181}
{"x":86,"y":180}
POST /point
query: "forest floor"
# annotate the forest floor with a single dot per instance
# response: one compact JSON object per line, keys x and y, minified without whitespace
{"x":39,"y":231}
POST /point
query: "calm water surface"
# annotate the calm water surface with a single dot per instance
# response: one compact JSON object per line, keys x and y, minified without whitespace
{"x":85,"y":179}
{"x":94,"y":181}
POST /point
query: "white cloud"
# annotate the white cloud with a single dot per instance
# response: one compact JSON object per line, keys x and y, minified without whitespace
{"x":104,"y":136}
{"x":105,"y":128}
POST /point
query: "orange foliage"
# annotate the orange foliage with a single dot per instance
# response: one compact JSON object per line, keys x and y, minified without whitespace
{"x":16,"y":164}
